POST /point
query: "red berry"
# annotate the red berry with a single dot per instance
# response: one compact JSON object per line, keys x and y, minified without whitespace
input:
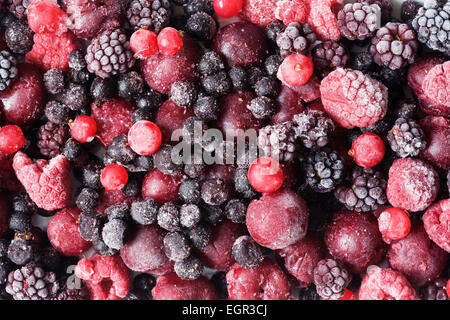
{"x":144,"y":43}
{"x":348,"y":295}
{"x":394,"y":223}
{"x":169,"y":41}
{"x":367,"y":150}
{"x":11,"y":139}
{"x":447,"y":286}
{"x":144,"y":137}
{"x":227,"y":8}
{"x":46,"y":16}
{"x":83,"y":128}
{"x":114,"y":177}
{"x":265,"y":175}
{"x":295,"y":70}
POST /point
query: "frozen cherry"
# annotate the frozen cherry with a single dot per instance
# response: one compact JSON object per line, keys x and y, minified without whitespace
{"x":144,"y":137}
{"x":436,"y":222}
{"x":172,"y":287}
{"x":83,"y":129}
{"x":394,"y":223}
{"x":289,"y":104}
{"x":437,"y":133}
{"x":296,"y":70}
{"x":227,"y":8}
{"x":265,"y":175}
{"x":114,"y":177}
{"x":11,"y":139}
{"x":367,"y":150}
{"x":170,"y":117}
{"x":161,"y":187}
{"x":144,"y":43}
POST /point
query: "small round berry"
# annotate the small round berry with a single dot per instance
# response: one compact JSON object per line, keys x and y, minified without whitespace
{"x":183,"y":93}
{"x":394,"y":223}
{"x":144,"y":43}
{"x":265,"y":175}
{"x":103,"y":89}
{"x":169,"y":41}
{"x":114,"y":177}
{"x":367,"y":150}
{"x":296,"y":70}
{"x":448,"y":288}
{"x":144,"y":137}
{"x":11,"y":139}
{"x":46,"y":16}
{"x":348,"y":295}
{"x":83,"y":128}
{"x":190,"y":215}
{"x":130,"y":85}
{"x":227,"y":8}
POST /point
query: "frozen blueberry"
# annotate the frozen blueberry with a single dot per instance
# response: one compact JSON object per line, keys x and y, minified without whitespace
{"x":144,"y":211}
{"x":118,"y":211}
{"x":169,"y":217}
{"x":176,"y":246}
{"x":89,"y":225}
{"x":190,"y":215}
{"x":235,"y":210}
{"x":190,"y":268}
{"x":87,"y":199}
{"x":247,"y":252}
{"x":114,"y":233}
{"x":200,"y":235}
{"x":214,"y":191}
{"x":183,"y":93}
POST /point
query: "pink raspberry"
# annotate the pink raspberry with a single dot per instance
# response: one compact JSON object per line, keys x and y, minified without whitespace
{"x":436,"y":84}
{"x":413,"y":184}
{"x":171,"y":287}
{"x":107,"y":278}
{"x":353,"y":99}
{"x":48,"y":183}
{"x":323,"y":19}
{"x":437,"y":223}
{"x":385,"y":284}
{"x":259,"y":12}
{"x":291,"y":11}
{"x":51,"y":51}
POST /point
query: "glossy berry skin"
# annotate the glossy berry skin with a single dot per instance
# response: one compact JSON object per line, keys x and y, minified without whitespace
{"x":169,"y":41}
{"x":113,"y":177}
{"x":83,"y":129}
{"x":394,"y":223}
{"x":367,"y":150}
{"x":144,"y":43}
{"x":46,"y":16}
{"x":227,"y":8}
{"x":348,"y":295}
{"x":11,"y":139}
{"x":144,"y":137}
{"x":265,"y":175}
{"x":295,"y":70}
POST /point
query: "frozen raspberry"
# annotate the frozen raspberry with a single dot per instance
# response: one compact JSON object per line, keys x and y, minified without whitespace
{"x":323,"y":19}
{"x":353,"y":99}
{"x":277,"y":219}
{"x":385,"y":284}
{"x":107,"y":278}
{"x":436,"y":84}
{"x":437,"y":223}
{"x":419,"y":259}
{"x":51,"y":51}
{"x":161,"y":187}
{"x":217,"y":254}
{"x":171,"y":287}
{"x":45,"y":16}
{"x":437,"y":150}
{"x":265,"y":282}
{"x":260,"y":12}
{"x":354,"y":239}
{"x":48,"y":183}
{"x":412,"y":185}
{"x":301,"y":257}
{"x":62,"y":231}
{"x":290,"y":11}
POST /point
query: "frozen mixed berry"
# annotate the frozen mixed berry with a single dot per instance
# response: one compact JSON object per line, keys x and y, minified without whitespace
{"x":394,"y":223}
{"x":278,"y":141}
{"x":89,"y":225}
{"x":144,"y":43}
{"x":313,"y":128}
{"x":358,"y":21}
{"x":176,"y":246}
{"x":236,"y":210}
{"x":114,"y":233}
{"x":261,"y":107}
{"x":11,"y":139}
{"x":227,"y":8}
{"x":144,"y":211}
{"x":295,"y":70}
{"x":296,"y":38}
{"x":103,"y":89}
{"x":153,"y":15}
{"x":202,"y":26}
{"x":214,"y":191}
{"x":367,"y":150}
{"x":435,"y":221}
{"x":328,"y":56}
{"x":331,"y":278}
{"x":435,"y":290}
{"x":190,"y":268}
{"x":19,"y":37}
{"x":172,"y":287}
{"x":362,"y":61}
{"x":406,"y":138}
{"x":87,"y":199}
{"x":119,"y":150}
{"x":324,"y":169}
{"x":83,"y":129}
{"x":130,"y":85}
{"x":290,"y":11}
{"x":75,"y":97}
{"x":114,"y":177}
{"x":247,"y":252}
{"x":217,"y":84}
{"x":51,"y":139}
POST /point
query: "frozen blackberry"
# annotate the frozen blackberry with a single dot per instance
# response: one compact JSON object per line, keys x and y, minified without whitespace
{"x":8,"y":69}
{"x":331,"y":278}
{"x":144,"y":211}
{"x":109,"y":53}
{"x":90,"y":174}
{"x":130,"y":85}
{"x":57,"y":112}
{"x":190,"y":215}
{"x":189,"y":191}
{"x":329,"y":55}
{"x":149,"y":100}
{"x":206,"y":108}
{"x":247,"y":252}
{"x":18,"y":7}
{"x":261,"y":107}
{"x":20,"y":222}
{"x":118,"y":211}
{"x":102,"y":249}
{"x":169,"y":217}
{"x":323,"y":169}
{"x":435,"y":290}
{"x":103,"y":89}
{"x":87,"y":199}
{"x":183,"y":93}
{"x":362,"y":61}
{"x":242,"y":185}
{"x":89,"y":225}
{"x":162,"y":160}
{"x":385,"y":6}
{"x":272,"y":63}
{"x":409,"y":10}
{"x":202,"y":26}
{"x":21,"y":203}
{"x":217,"y":84}
{"x":367,"y":192}
{"x":75,"y":97}
{"x":154,"y":15}
{"x":391,"y":79}
{"x":19,"y":37}
{"x":114,"y":233}
{"x":213,"y":215}
{"x":72,"y":294}
{"x":194,"y":6}
{"x":236,"y":210}
{"x":176,"y":246}
{"x":358,"y":21}
{"x":31,"y":282}
{"x":238,"y":78}
{"x":51,"y":139}
{"x":406,"y":109}
{"x":210,"y":63}
{"x":199,"y":235}
{"x":214,"y":192}
{"x":432,"y":24}
{"x":394,"y":46}
{"x":190,"y":268}
{"x":406,"y":138}
{"x":266,"y":86}
{"x":313,"y":128}
{"x":273,"y":29}
{"x":21,"y":251}
{"x":296,"y":38}
{"x":119,"y":150}
{"x":278,"y":141}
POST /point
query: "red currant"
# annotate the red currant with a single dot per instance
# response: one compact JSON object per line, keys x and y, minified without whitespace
{"x":46,"y":16}
{"x":394,"y":223}
{"x":144,"y":137}
{"x":348,"y":295}
{"x":447,"y":287}
{"x":169,"y":41}
{"x":227,"y":8}
{"x":144,"y":43}
{"x":114,"y":177}
{"x":295,"y":70}
{"x":11,"y":139}
{"x":83,"y":128}
{"x":367,"y":150}
{"x":265,"y":175}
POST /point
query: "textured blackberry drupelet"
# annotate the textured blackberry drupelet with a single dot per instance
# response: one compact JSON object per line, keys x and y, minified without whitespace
{"x":31,"y":282}
{"x":296,"y":38}
{"x":328,"y":56}
{"x":8,"y":69}
{"x":313,"y":128}
{"x":432,"y":24}
{"x":358,"y":21}
{"x":261,"y":107}
{"x":202,"y":26}
{"x":75,"y":97}
{"x":323,"y":169}
{"x":394,"y":46}
{"x":278,"y":141}
{"x":435,"y":290}
{"x":331,"y":279}
{"x":151,"y":14}
{"x":72,"y":294}
{"x":51,"y":139}
{"x":19,"y":37}
{"x":57,"y":112}
{"x":367,"y":192}
{"x":18,"y":7}
{"x":406,"y":138}
{"x":109,"y":53}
